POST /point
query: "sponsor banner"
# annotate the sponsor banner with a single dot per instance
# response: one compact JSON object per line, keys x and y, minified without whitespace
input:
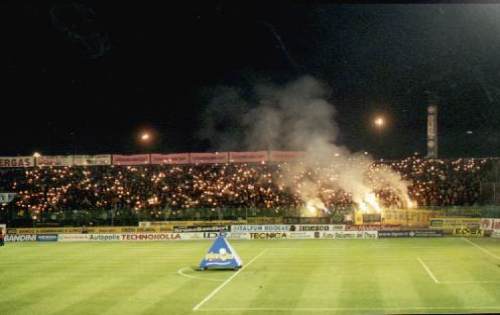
{"x":260,"y":228}
{"x":495,"y":234}
{"x":103,"y":159}
{"x":409,"y":217}
{"x":5,"y":198}
{"x":372,"y":227}
{"x":17,"y":161}
{"x":201,"y":235}
{"x":46,"y":238}
{"x":54,"y":160}
{"x":487,"y":224}
{"x":248,"y":157}
{"x":317,"y":227}
{"x":303,"y":235}
{"x":202,"y":228}
{"x":496,"y":224}
{"x":20,"y":238}
{"x":151,"y":237}
{"x":209,"y":158}
{"x":178,"y":158}
{"x":454,"y":223}
{"x":239,"y":236}
{"x":214,"y":235}
{"x":269,"y":236}
{"x":104,"y":237}
{"x":136,"y":159}
{"x":410,"y":233}
{"x":465,"y":231}
{"x":349,"y":235}
{"x":283,"y":156}
{"x":192,"y":236}
{"x":74,"y":237}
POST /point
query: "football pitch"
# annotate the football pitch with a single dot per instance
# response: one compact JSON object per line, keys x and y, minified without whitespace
{"x":446,"y":275}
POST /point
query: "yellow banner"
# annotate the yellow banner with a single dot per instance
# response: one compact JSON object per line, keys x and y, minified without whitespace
{"x":455,"y":223}
{"x":409,"y":217}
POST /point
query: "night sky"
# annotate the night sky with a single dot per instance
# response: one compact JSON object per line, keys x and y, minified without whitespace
{"x":86,"y":76}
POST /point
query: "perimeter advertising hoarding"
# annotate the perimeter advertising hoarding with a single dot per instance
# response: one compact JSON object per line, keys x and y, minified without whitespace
{"x":74,"y":237}
{"x":177,"y":158}
{"x":349,"y":235}
{"x":46,"y":238}
{"x":20,"y":238}
{"x":268,"y":235}
{"x":454,"y":223}
{"x":202,"y":228}
{"x":54,"y":160}
{"x":487,"y":224}
{"x":410,"y":233}
{"x":260,"y":228}
{"x":135,"y":159}
{"x":317,"y":227}
{"x":18,"y":161}
{"x":92,"y":160}
{"x":248,"y":157}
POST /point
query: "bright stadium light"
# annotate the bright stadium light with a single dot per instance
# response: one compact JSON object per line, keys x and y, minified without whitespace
{"x":379,"y":122}
{"x":145,"y":137}
{"x":37,"y":155}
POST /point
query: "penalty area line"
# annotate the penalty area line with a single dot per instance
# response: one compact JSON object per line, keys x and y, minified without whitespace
{"x":429,"y":272}
{"x":216,"y":290}
{"x":484,"y":250}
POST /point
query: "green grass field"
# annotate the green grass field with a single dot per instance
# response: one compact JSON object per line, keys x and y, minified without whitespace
{"x":449,"y":275}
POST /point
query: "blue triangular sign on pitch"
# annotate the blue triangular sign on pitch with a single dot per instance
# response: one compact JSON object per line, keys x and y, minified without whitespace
{"x":221,"y":255}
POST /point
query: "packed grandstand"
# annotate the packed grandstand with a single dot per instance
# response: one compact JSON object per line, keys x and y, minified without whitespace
{"x":76,"y":193}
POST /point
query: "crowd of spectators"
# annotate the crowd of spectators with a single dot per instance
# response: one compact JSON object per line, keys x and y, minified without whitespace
{"x":156,"y":188}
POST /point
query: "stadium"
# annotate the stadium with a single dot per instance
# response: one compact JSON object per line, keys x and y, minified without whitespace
{"x":248,"y":158}
{"x":149,"y":220}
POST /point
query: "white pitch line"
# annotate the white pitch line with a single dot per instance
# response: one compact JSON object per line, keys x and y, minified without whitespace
{"x":214,"y":292}
{"x":429,"y":272}
{"x":469,"y":282}
{"x":345,"y":309}
{"x":484,"y":250}
{"x":180,"y":272}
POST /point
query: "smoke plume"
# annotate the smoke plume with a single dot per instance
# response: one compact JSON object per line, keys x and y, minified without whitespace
{"x":298,"y":116}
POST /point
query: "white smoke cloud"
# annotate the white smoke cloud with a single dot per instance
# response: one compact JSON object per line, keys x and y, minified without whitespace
{"x":298,"y":116}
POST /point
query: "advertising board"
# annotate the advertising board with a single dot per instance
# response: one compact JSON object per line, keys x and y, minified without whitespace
{"x":303,"y":235}
{"x":465,"y":231}
{"x":454,"y":223}
{"x":18,"y":161}
{"x":487,"y":224}
{"x":74,"y":237}
{"x":150,"y":237}
{"x":410,"y":233}
{"x":268,"y":235}
{"x":103,"y":237}
{"x":20,"y":238}
{"x":239,"y":236}
{"x":260,"y":228}
{"x":349,"y":235}
{"x":317,"y":227}
{"x":46,"y":238}
{"x":202,"y":228}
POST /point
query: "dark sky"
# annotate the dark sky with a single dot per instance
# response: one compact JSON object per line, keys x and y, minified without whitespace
{"x":86,"y":76}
